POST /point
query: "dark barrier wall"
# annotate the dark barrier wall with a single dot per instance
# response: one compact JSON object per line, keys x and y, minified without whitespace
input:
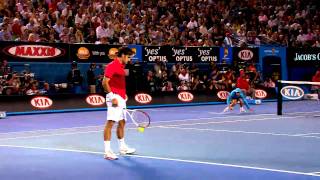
{"x":93,"y":101}
{"x":59,"y":52}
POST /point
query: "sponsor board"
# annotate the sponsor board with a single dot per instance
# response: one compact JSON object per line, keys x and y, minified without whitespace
{"x":185,"y":96}
{"x":292,"y":92}
{"x":261,"y":94}
{"x":41,"y":102}
{"x":223,"y":95}
{"x":143,"y":98}
{"x":95,"y":100}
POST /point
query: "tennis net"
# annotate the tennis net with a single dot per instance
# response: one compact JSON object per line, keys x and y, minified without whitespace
{"x":298,"y":97}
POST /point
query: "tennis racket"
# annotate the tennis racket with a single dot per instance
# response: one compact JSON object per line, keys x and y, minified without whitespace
{"x":140,"y":118}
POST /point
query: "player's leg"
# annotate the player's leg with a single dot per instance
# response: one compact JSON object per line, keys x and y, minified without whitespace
{"x":123,"y":147}
{"x":241,"y":105}
{"x":107,"y":139}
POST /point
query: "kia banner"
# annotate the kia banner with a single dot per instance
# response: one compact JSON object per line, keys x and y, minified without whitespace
{"x":303,"y":56}
{"x":34,"y":52}
{"x":245,"y":55}
{"x":176,"y":54}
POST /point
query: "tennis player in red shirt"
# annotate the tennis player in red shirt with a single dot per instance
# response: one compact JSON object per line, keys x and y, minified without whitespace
{"x":115,"y":87}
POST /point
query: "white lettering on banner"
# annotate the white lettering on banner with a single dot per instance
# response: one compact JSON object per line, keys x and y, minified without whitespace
{"x":292,"y":92}
{"x":143,"y":98}
{"x":307,"y":57}
{"x":178,"y":52}
{"x":153,"y":52}
{"x":184,"y":58}
{"x":204,"y":52}
{"x":95,"y":100}
{"x":160,"y":58}
{"x":185,"y":96}
{"x":205,"y":55}
{"x":209,"y":58}
{"x":97,"y":53}
{"x":245,"y":54}
{"x":41,"y":102}
{"x":34,"y":51}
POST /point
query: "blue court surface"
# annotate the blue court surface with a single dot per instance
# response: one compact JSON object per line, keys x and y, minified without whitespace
{"x":193,"y":142}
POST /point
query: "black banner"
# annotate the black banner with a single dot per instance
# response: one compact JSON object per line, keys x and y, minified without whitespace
{"x":303,"y":57}
{"x":34,"y":52}
{"x":180,"y":54}
{"x":245,"y":55}
{"x":90,"y":52}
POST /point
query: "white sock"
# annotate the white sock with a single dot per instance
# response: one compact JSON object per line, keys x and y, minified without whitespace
{"x":226,"y":109}
{"x":121,"y":142}
{"x":106,"y":146}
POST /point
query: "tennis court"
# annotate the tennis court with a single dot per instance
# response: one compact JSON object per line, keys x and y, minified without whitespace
{"x":195,"y":142}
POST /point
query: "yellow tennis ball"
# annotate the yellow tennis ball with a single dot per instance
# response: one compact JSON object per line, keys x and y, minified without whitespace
{"x":141,"y":129}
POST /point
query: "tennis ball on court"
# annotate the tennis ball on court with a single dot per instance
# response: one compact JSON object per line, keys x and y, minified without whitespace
{"x":141,"y":129}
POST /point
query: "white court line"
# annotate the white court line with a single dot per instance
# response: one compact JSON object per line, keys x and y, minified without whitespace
{"x":175,"y":127}
{"x":235,"y":131}
{"x":306,"y":134}
{"x":235,"y":121}
{"x":161,"y":121}
{"x":168,"y":159}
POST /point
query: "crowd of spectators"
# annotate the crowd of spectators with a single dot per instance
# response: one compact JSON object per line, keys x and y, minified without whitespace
{"x":163,"y":22}
{"x":189,"y":77}
{"x":24,"y":83}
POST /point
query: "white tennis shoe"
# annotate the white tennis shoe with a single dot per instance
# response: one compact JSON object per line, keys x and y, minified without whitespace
{"x":124,"y":149}
{"x":110,"y":155}
{"x":242,"y":109}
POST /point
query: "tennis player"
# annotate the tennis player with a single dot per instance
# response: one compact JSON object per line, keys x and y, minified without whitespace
{"x":115,"y":87}
{"x":237,"y":96}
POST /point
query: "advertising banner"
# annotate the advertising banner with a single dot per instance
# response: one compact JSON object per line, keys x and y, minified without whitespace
{"x":176,"y":54}
{"x":303,"y":57}
{"x":34,"y":52}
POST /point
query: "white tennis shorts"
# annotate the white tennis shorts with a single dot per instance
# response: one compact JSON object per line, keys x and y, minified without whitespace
{"x":116,"y":113}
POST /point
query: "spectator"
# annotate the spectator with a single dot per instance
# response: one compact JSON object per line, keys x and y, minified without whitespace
{"x":167,"y":87}
{"x":33,"y":90}
{"x":244,"y":84}
{"x":75,"y":79}
{"x":92,"y":79}
{"x":151,"y":82}
{"x":183,"y":86}
{"x":184,"y":75}
{"x":316,"y":78}
{"x":5,"y":69}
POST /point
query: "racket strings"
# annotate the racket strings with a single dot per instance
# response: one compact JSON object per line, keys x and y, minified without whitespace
{"x":141,"y":118}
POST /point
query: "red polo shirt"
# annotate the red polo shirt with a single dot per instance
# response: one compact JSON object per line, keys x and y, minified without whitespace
{"x":242,"y":83}
{"x":115,"y":71}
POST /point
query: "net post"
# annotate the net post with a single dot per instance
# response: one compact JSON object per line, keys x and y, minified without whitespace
{"x":279,"y":98}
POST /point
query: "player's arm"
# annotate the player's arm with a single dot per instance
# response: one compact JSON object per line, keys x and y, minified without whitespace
{"x":105,"y":84}
{"x":107,"y":89}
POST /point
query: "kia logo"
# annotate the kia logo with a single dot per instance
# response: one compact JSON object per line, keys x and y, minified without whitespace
{"x":185,"y":96}
{"x":223,"y":95}
{"x":245,"y":55}
{"x":143,"y":98}
{"x":261,"y":94}
{"x":41,"y":102}
{"x":95,"y":100}
{"x":292,"y":92}
{"x":34,"y":51}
